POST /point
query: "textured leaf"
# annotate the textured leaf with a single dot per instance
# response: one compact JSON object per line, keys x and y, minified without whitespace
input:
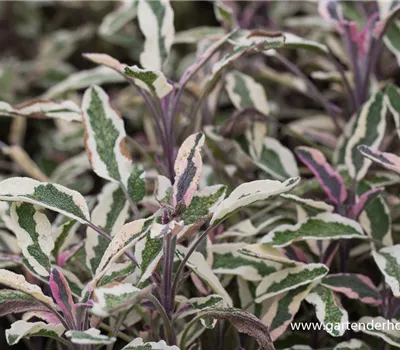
{"x":18,"y":282}
{"x":328,"y":310}
{"x":388,"y":160}
{"x":376,"y":219}
{"x":249,"y":193}
{"x":62,"y":294}
{"x":352,"y":344}
{"x":275,"y":159}
{"x":392,"y":100}
{"x":90,"y":336}
{"x":22,"y":329}
{"x":382,"y":328}
{"x":188,"y":166}
{"x":42,"y":109}
{"x":194,"y":35}
{"x":228,"y":260}
{"x":293,"y":41}
{"x":117,"y":272}
{"x":12,"y":301}
{"x":150,"y":80}
{"x":105,"y":137}
{"x":55,"y":197}
{"x":388,"y":261}
{"x":33,"y":232}
{"x":115,"y":20}
{"x":110,"y":215}
{"x":245,"y":92}
{"x":264,"y":252}
{"x":369,"y":129}
{"x":319,"y":227}
{"x":194,"y":305}
{"x":363,"y":200}
{"x":129,"y":234}
{"x":283,"y":310}
{"x":354,"y":286}
{"x":136,"y":184}
{"x":139,"y":344}
{"x":163,"y":189}
{"x":330,"y":180}
{"x":156,"y":21}
{"x":113,"y":297}
{"x":199,"y":266}
{"x":288,"y":279}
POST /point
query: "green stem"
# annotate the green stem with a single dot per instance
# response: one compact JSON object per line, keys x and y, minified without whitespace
{"x":182,"y":344}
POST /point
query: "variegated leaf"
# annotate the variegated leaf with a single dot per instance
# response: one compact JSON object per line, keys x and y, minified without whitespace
{"x":139,"y":344}
{"x":188,"y":166}
{"x":199,"y":266}
{"x":21,"y":329}
{"x":194,"y":305}
{"x":283,"y":310}
{"x":18,"y":282}
{"x":392,"y":100}
{"x":330,"y":180}
{"x":152,"y":81}
{"x":42,"y":109}
{"x":382,"y":328}
{"x":163,"y":189}
{"x":354,"y":286}
{"x":194,"y":35}
{"x":224,"y":14}
{"x":136,"y":186}
{"x":105,"y":137}
{"x":369,"y":129}
{"x":328,"y":310}
{"x":67,"y":172}
{"x":156,"y":21}
{"x":388,"y":261}
{"x":388,"y":160}
{"x":129,"y":234}
{"x":228,"y":260}
{"x":352,"y":344}
{"x":118,"y":272}
{"x":274,"y":158}
{"x":375,"y":218}
{"x":148,"y":253}
{"x":264,"y":252}
{"x":365,"y":197}
{"x":288,"y":279}
{"x":293,"y":41}
{"x":319,"y":227}
{"x":33,"y":231}
{"x":114,"y":297}
{"x":52,"y":196}
{"x":312,"y":207}
{"x":115,"y":20}
{"x":110,"y":215}
{"x":249,"y":193}
{"x":204,"y":203}
{"x":245,"y":92}
{"x":62,"y":294}
{"x":91,"y":336}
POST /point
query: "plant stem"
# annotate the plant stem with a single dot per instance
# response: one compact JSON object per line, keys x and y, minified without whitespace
{"x":119,"y":334}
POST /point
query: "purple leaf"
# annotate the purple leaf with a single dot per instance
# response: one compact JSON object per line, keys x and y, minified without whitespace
{"x":62,"y":294}
{"x":357,"y":209}
{"x":330,"y":180}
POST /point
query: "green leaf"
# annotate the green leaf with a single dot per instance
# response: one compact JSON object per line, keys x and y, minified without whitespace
{"x":392,"y":100}
{"x":136,"y":184}
{"x":156,"y":21}
{"x":109,"y":214}
{"x":22,"y":329}
{"x":117,"y":19}
{"x":312,"y":207}
{"x":328,"y":310}
{"x":91,"y":336}
{"x":55,"y":197}
{"x":113,"y":298}
{"x":227,"y":260}
{"x":369,"y":129}
{"x":288,"y":279}
{"x":245,"y":92}
{"x":139,"y":344}
{"x":352,"y":344}
{"x":249,"y":193}
{"x":194,"y":35}
{"x":105,"y":137}
{"x":192,"y":306}
{"x":33,"y":232}
{"x":283,"y":310}
{"x":319,"y":227}
{"x":263,"y":252}
{"x":388,"y":261}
